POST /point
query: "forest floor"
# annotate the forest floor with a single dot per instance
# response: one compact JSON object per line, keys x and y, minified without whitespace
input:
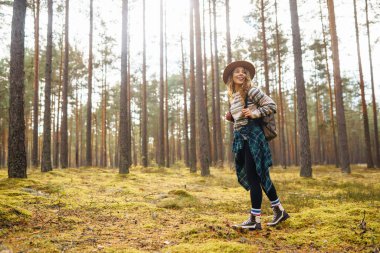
{"x":171,"y":210}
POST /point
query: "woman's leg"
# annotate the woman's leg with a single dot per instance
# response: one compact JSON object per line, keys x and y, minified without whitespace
{"x":271,"y":194}
{"x":253,"y":222}
{"x":256,"y":193}
{"x":278,"y":209}
{"x":254,"y":181}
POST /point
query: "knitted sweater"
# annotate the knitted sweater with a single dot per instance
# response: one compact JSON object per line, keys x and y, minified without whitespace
{"x":259,"y":103}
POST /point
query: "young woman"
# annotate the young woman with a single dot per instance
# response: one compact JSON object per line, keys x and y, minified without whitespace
{"x":252,"y":154}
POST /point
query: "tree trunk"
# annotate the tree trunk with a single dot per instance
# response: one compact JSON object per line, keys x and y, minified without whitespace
{"x":179,"y":149}
{"x":166,"y":90}
{"x":205,"y":69}
{"x":185,"y":123}
{"x":70,"y":141}
{"x":340,"y":115}
{"x":161,"y":127}
{"x":57,"y":133}
{"x":144,"y":123}
{"x":229,"y":60}
{"x":4,"y":146}
{"x":173,"y":144}
{"x":46,"y":148}
{"x":129,"y":94}
{"x":80,"y":138}
{"x":103,"y":156}
{"x":214,"y":154}
{"x":36,"y":12}
{"x":116,"y":153}
{"x":124,"y":162}
{"x":202,"y":109}
{"x":332,"y":120}
{"x":96,"y":140}
{"x":218,"y":130}
{"x":134,"y":149}
{"x":295,"y":128}
{"x":374,"y":108}
{"x":317,"y":124}
{"x":76,"y":128}
{"x":263,"y":31}
{"x":305,"y":155}
{"x":16,"y":140}
{"x":64,"y":135}
{"x":89,"y":96}
{"x":28,"y":136}
{"x":282,"y":118}
{"x":362,"y":93}
{"x":193,"y":148}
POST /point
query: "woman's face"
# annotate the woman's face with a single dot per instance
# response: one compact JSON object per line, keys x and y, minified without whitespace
{"x":239,"y":75}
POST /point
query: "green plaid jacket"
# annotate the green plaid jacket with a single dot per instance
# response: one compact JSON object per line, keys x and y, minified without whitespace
{"x":260,"y":151}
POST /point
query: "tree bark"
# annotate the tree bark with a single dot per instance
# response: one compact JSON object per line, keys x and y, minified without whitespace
{"x":185,"y":123}
{"x":263,"y":31}
{"x":166,"y":90}
{"x":57,"y":133}
{"x":89,"y":96}
{"x":317,"y":124}
{"x":344,"y":157}
{"x":374,"y":107}
{"x":103,"y":156}
{"x":64,"y":134}
{"x":76,"y":127}
{"x":36,"y":12}
{"x":161,"y":124}
{"x":229,"y":60}
{"x":193,"y":149}
{"x":332,"y":120}
{"x":144,"y":123}
{"x":124,"y":162}
{"x":295,"y":128}
{"x":362,"y":93}
{"x":218,"y":130}
{"x":46,"y":148}
{"x":205,"y":69}
{"x":202,"y":109}
{"x":214,"y":154}
{"x":16,"y":140}
{"x":282,"y":118}
{"x":305,"y":155}
{"x":129,"y":95}
{"x":96,"y":140}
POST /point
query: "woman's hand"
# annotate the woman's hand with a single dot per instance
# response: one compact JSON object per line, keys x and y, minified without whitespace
{"x":229,"y":117}
{"x":248,"y":113}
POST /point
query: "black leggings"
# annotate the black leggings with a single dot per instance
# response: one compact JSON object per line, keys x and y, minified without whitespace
{"x":254,"y":181}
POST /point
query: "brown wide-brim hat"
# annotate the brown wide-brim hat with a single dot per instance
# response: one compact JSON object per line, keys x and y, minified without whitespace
{"x":233,"y":65}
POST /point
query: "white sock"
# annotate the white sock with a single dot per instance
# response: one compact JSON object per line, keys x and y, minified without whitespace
{"x":281,"y":207}
{"x":277,"y":203}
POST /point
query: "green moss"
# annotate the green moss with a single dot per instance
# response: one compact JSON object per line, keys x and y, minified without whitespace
{"x":172,"y":210}
{"x":181,"y":199}
{"x":159,"y":170}
{"x":180,"y":193}
{"x":212,"y":246}
{"x":122,"y":250}
{"x":11,"y":215}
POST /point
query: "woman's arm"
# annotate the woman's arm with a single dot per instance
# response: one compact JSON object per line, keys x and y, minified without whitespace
{"x":265,"y":105}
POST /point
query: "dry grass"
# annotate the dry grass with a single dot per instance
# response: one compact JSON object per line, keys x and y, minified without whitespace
{"x":171,"y":210}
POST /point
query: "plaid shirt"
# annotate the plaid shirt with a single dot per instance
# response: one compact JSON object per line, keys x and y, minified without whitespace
{"x":260,"y":151}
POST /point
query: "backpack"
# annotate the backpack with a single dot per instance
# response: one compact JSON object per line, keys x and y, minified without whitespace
{"x":268,"y":124}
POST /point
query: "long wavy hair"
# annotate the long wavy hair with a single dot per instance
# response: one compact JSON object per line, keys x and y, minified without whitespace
{"x":244,"y":88}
